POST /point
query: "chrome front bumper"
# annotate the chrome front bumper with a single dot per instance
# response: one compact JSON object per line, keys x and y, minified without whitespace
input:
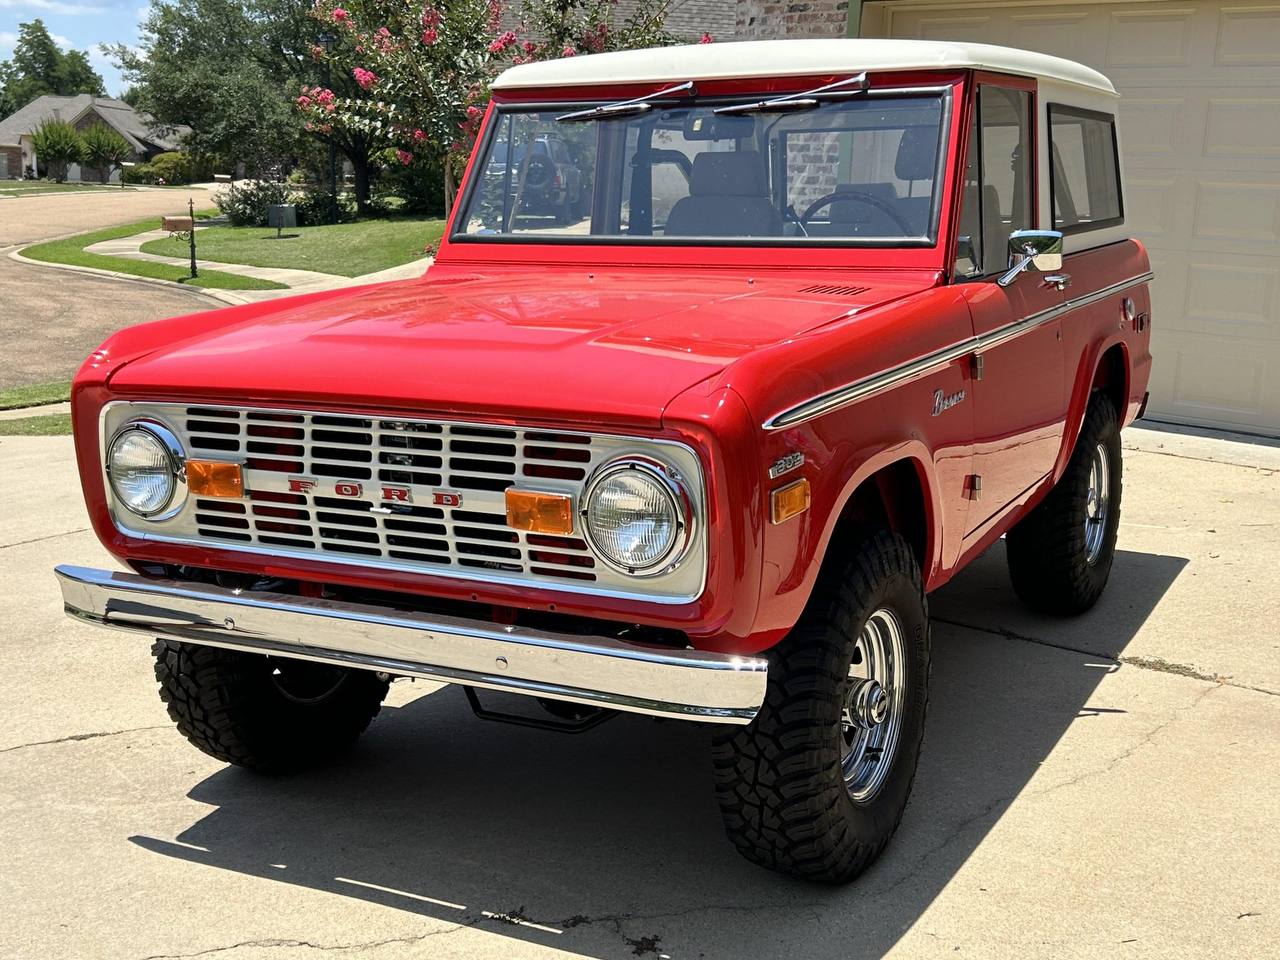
{"x":601,"y":671}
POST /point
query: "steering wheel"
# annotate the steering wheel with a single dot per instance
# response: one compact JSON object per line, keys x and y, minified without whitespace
{"x":868,"y":199}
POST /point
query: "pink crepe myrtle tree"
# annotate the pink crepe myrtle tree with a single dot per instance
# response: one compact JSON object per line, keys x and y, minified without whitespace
{"x":423,"y":67}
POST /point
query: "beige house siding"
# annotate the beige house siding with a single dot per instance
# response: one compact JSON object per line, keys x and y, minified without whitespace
{"x":1200,"y":128}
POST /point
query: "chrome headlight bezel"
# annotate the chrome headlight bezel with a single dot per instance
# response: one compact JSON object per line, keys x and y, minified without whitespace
{"x":176,"y":459}
{"x":674,"y":490}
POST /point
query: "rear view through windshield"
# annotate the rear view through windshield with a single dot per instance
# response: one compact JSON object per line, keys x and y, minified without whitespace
{"x":865,"y":170}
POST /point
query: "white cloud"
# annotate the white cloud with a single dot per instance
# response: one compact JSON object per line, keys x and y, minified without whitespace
{"x":7,"y":40}
{"x":51,"y":6}
{"x":60,"y":40}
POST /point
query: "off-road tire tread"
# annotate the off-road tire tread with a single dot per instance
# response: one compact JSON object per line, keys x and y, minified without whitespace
{"x":779,"y":801}
{"x":1045,"y":550}
{"x":222,"y":701}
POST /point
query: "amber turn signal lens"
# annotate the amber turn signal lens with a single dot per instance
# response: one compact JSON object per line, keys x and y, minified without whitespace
{"x":210,"y":478}
{"x":789,"y":501}
{"x":540,"y":512}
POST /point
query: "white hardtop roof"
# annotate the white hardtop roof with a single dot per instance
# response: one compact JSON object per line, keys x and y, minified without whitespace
{"x":793,"y":58}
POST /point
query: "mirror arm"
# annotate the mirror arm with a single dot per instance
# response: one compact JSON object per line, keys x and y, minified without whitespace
{"x":1014,"y":272}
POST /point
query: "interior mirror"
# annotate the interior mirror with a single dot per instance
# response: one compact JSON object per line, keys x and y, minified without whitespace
{"x":1028,"y":249}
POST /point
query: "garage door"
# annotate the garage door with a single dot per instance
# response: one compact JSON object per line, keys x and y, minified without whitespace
{"x":1201,"y":135}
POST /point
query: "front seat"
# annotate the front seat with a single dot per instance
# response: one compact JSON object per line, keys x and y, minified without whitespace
{"x":728,"y":197}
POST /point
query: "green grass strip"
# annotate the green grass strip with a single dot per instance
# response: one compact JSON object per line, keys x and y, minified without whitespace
{"x":51,"y":425}
{"x":341,"y":249}
{"x":35,"y":395}
{"x":71,"y":251}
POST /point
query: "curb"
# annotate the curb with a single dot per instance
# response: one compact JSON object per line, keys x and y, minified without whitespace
{"x":222,"y":296}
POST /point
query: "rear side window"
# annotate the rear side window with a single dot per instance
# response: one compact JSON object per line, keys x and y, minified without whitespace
{"x":1084,"y":169}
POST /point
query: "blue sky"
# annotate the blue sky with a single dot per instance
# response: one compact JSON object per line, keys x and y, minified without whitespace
{"x":78,"y":24}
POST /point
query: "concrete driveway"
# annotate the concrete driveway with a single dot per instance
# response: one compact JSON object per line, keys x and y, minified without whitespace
{"x":1102,"y":787}
{"x":52,"y":319}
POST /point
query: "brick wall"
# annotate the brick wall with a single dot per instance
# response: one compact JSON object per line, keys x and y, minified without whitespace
{"x":14,"y":166}
{"x":791,"y":18}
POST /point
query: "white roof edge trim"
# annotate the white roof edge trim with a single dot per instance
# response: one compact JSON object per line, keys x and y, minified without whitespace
{"x":788,"y":58}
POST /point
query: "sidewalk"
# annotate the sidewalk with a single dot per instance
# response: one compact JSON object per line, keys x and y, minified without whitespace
{"x":297,"y":281}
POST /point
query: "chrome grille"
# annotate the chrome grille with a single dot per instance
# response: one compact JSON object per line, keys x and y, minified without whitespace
{"x":345,"y":517}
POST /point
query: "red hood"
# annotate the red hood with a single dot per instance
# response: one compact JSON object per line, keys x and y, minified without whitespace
{"x":605,"y":346}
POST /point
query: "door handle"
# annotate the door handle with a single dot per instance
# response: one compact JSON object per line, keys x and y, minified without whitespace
{"x":1059,"y":280}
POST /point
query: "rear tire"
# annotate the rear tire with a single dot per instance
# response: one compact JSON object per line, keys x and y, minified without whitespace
{"x":1060,"y":554}
{"x":268,"y":714}
{"x":805,"y":788}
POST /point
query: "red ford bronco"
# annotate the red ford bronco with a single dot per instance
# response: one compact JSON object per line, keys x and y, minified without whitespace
{"x":815,"y":324}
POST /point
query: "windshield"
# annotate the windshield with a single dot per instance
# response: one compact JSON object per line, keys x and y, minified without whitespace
{"x":862,"y":171}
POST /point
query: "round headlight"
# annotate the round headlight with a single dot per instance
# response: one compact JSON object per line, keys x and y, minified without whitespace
{"x":636,"y":516}
{"x":144,"y":465}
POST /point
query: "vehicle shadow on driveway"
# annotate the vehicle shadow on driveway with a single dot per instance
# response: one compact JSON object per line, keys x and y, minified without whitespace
{"x":609,"y":844}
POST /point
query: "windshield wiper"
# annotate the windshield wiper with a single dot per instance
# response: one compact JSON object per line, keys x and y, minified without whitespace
{"x":626,"y":108}
{"x":840,"y":90}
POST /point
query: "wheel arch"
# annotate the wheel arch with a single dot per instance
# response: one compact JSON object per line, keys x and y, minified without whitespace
{"x":895,"y":491}
{"x":1104,"y":369}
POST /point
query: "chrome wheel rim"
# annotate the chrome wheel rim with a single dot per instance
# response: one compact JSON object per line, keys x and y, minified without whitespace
{"x":1097,"y":504}
{"x":871,"y":720}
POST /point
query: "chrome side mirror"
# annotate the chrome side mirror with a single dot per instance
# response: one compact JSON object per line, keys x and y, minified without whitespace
{"x":1041,"y":249}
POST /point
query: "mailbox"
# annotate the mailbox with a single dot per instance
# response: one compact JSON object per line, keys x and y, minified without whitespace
{"x":176,"y":224}
{"x":281,"y":215}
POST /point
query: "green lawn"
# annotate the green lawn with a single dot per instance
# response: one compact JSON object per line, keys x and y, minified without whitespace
{"x":28,"y":188}
{"x":53,"y":425}
{"x":35,"y":395}
{"x":71,"y":250}
{"x":345,"y":249}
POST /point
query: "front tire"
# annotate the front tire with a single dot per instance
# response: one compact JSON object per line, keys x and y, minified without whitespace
{"x":1060,"y":554}
{"x":817,"y":783}
{"x":269,"y":714}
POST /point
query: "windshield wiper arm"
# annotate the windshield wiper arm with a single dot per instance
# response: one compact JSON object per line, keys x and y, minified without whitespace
{"x":840,"y":90}
{"x":627,"y":108}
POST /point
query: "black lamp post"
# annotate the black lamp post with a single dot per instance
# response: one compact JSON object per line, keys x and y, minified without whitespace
{"x":327,"y":40}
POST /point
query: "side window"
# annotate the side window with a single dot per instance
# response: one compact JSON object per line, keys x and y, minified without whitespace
{"x":997,"y":182}
{"x":1084,"y":169}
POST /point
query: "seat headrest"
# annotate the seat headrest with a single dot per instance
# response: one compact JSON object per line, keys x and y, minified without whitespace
{"x":917,"y":154}
{"x":737,"y":174}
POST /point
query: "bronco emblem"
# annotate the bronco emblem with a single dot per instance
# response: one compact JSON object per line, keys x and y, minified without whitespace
{"x":945,"y":401}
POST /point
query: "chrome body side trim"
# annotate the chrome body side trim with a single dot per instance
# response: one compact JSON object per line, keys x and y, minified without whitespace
{"x":595,"y":670}
{"x":921,"y":366}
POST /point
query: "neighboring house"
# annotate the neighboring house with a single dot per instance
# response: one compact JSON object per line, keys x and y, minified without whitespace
{"x":1200,"y":82}
{"x":18,"y":159}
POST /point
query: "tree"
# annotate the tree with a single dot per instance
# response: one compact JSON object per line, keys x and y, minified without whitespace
{"x":204,"y":64}
{"x":56,"y":144}
{"x":229,"y":69}
{"x":104,"y":148}
{"x":423,"y":72}
{"x":38,"y":67}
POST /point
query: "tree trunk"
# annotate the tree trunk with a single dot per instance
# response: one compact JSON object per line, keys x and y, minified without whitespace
{"x":449,"y":187}
{"x":360,"y":166}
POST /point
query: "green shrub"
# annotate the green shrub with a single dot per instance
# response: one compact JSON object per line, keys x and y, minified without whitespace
{"x":313,"y":207}
{"x":138,"y":173}
{"x":420,"y":186}
{"x":172,"y":167}
{"x":245,"y":204}
{"x":57,"y":143}
{"x":104,"y":149}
